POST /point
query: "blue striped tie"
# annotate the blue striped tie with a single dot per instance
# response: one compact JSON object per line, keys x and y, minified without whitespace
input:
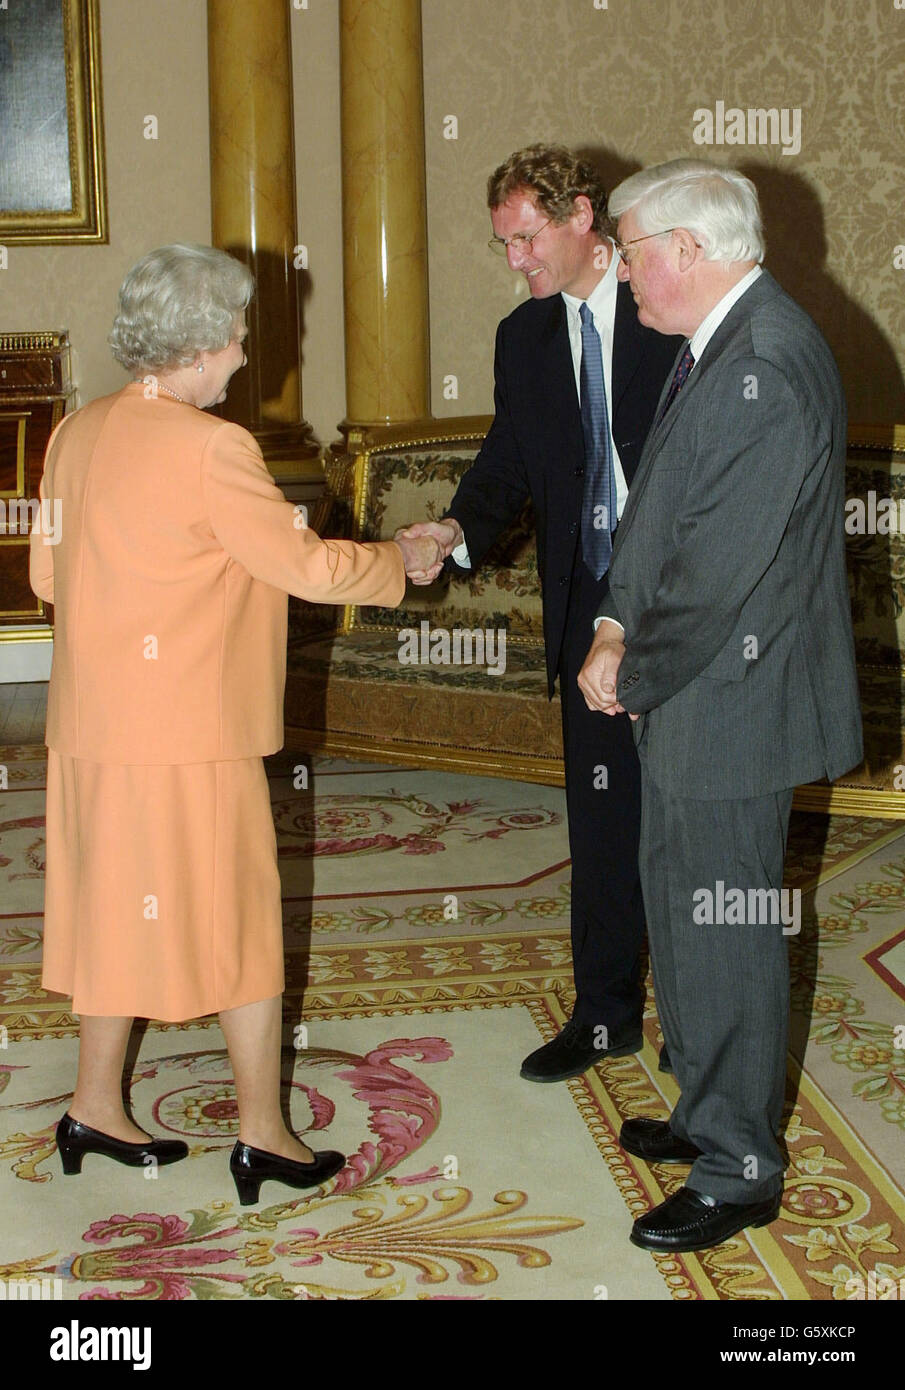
{"x":598,"y":507}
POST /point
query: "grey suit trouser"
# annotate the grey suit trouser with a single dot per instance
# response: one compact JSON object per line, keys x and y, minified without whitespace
{"x":722,"y":988}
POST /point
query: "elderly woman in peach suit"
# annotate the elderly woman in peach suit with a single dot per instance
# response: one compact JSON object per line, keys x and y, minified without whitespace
{"x":169,"y":585}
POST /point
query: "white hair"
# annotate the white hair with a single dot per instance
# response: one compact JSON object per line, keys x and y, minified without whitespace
{"x":178,"y":301}
{"x":718,"y":206}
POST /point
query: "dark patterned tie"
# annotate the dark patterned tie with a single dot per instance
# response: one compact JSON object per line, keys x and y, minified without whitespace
{"x":598,"y":507}
{"x":680,"y":376}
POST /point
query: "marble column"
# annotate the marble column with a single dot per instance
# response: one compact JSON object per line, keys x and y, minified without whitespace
{"x":384,"y":221}
{"x":253,"y":216}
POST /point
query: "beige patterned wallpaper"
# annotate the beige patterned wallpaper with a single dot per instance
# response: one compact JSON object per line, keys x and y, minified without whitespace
{"x":153,"y":62}
{"x":625,"y":80}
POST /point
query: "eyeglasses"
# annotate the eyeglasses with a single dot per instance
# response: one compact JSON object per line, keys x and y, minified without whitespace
{"x":622,"y":246}
{"x":522,"y":243}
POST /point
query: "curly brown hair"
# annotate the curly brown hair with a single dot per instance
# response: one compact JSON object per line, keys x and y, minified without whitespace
{"x":556,"y":177}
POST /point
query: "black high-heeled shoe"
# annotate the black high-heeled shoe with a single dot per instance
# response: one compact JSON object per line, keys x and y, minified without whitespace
{"x":74,"y":1140}
{"x":250,"y":1167}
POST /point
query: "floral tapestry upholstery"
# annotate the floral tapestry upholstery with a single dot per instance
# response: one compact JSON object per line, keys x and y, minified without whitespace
{"x":876,"y":562}
{"x":414,"y":485}
{"x":875,"y":547}
{"x":353,"y":685}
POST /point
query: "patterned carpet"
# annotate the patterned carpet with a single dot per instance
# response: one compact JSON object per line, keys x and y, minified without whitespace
{"x":427,"y":953}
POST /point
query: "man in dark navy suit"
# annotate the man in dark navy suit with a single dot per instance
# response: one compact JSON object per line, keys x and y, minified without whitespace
{"x":577,"y":379}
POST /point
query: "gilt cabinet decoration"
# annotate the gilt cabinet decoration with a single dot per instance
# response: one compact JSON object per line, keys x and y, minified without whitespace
{"x":35,"y":393}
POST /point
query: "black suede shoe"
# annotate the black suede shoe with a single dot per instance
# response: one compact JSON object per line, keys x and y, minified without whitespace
{"x":74,"y":1140}
{"x":664,"y":1063}
{"x":654,"y":1141}
{"x":690,"y":1221}
{"x":572,"y":1051}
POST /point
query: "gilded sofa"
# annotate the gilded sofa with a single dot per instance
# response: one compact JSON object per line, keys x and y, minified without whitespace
{"x":350,"y":690}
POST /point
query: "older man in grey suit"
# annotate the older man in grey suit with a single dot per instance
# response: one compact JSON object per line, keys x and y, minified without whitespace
{"x":726,"y":636}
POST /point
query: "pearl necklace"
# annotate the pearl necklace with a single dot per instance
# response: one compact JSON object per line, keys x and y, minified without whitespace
{"x":162,"y":387}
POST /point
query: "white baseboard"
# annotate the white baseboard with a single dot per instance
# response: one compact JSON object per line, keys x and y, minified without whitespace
{"x":25,"y":659}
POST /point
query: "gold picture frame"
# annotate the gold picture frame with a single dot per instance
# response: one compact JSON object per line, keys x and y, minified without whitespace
{"x":52,"y":184}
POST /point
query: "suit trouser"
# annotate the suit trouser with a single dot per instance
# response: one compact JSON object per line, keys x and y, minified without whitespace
{"x":607,"y":916}
{"x":722,"y":988}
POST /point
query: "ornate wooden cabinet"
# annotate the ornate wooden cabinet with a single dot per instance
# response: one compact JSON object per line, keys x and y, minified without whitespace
{"x":35,"y":393}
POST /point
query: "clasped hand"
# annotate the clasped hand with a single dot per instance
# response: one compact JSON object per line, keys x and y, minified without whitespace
{"x":425,"y":545}
{"x":597,"y":677}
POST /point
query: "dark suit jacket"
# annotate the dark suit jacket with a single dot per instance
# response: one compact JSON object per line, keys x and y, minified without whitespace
{"x":728,"y":569}
{"x":535,"y":446}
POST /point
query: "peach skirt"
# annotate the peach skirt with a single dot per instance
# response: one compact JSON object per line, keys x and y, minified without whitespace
{"x":162,"y":896}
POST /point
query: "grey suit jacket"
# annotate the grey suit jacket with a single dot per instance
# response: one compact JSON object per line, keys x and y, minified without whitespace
{"x":728,"y":571}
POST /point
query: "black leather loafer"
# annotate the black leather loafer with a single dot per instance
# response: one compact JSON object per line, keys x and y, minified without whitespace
{"x":250,"y":1167}
{"x":74,"y":1140}
{"x":572,"y":1051}
{"x":654,"y":1141}
{"x":690,"y":1221}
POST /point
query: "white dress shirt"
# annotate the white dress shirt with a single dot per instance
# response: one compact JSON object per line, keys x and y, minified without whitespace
{"x":602,"y":304}
{"x":706,"y":329}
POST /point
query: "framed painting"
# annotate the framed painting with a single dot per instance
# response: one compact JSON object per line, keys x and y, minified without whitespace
{"x":52,"y":185}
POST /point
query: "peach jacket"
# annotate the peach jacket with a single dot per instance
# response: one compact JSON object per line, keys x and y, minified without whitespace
{"x":169,"y":577}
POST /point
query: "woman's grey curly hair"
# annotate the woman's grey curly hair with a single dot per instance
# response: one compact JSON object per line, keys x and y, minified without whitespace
{"x":178,"y":301}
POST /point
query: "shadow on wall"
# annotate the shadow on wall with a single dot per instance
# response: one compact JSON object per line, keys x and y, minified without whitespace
{"x":276,"y":327}
{"x":795,"y":229}
{"x":612,"y":167}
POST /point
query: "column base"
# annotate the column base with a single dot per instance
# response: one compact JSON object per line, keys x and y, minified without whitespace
{"x":286,"y":442}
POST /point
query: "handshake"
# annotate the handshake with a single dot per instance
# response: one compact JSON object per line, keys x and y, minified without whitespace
{"x":425,"y":545}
